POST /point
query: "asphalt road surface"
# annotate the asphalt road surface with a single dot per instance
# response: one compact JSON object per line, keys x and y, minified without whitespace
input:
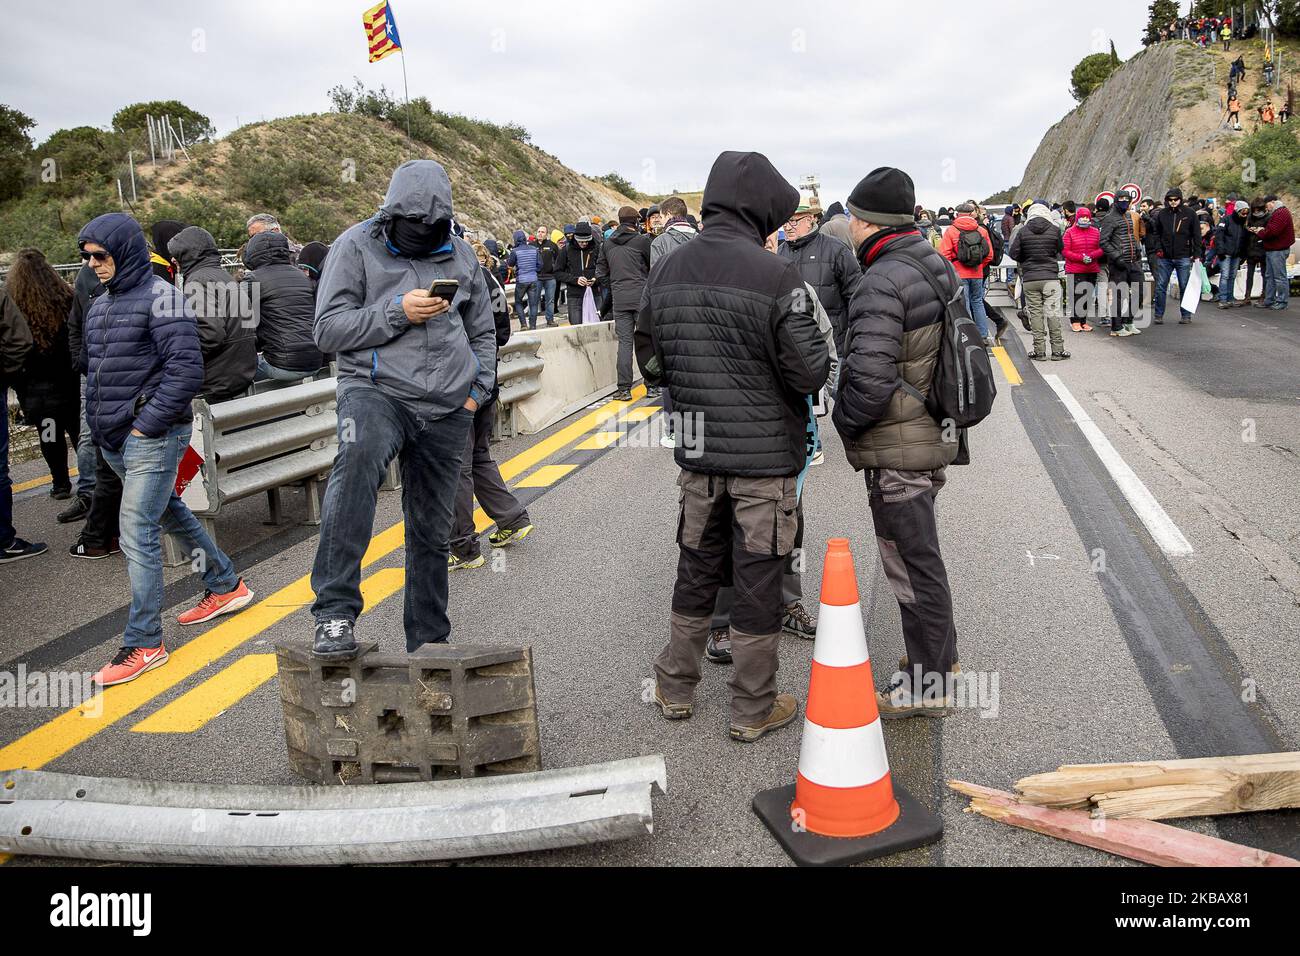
{"x":1105,"y":639}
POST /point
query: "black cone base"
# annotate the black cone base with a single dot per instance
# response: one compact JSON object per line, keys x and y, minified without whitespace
{"x":916,"y":826}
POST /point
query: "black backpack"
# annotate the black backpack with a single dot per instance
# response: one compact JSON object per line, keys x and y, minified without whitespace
{"x":962,"y":390}
{"x":972,"y":249}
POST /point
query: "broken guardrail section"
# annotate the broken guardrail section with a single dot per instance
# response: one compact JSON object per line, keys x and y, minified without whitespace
{"x":94,"y":818}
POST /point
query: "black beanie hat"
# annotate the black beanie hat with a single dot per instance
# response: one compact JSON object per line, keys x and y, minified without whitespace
{"x":885,"y":197}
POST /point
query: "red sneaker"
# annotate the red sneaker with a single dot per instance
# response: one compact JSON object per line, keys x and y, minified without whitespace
{"x":129,"y":663}
{"x":214,"y":605}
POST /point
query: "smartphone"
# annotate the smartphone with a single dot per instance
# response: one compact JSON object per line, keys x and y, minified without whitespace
{"x":444,"y":289}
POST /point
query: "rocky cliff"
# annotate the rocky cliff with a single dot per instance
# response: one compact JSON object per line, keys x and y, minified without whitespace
{"x":1152,"y":118}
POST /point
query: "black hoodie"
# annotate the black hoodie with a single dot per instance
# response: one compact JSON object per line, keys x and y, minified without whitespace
{"x":623,"y":264}
{"x":730,"y":329}
{"x":226,"y":331}
{"x":284,"y":304}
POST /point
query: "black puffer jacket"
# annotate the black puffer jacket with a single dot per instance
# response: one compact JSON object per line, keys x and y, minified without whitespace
{"x":622,"y":266}
{"x":284,"y":305}
{"x":575,"y":261}
{"x":1037,"y":249}
{"x":1178,"y":233}
{"x":548,"y":255}
{"x":226,"y":334}
{"x":895,"y":325}
{"x":728,"y":328}
{"x":84,"y":290}
{"x":829,"y":266}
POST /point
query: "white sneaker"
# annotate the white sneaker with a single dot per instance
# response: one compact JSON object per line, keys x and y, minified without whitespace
{"x":1123,"y":333}
{"x":668,"y":440}
{"x":819,"y":458}
{"x":1133,"y":330}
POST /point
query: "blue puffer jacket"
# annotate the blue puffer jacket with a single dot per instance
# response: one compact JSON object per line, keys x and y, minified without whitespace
{"x":142,"y":342}
{"x":524,"y":258}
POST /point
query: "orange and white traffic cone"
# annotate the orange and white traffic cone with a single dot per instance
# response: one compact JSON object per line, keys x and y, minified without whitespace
{"x":843,"y":806}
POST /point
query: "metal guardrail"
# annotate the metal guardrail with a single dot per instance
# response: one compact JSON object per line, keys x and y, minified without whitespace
{"x":519,"y":370}
{"x":147,"y":821}
{"x":262,"y":443}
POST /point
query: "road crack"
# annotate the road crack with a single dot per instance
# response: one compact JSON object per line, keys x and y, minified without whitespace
{"x":1276,"y":563}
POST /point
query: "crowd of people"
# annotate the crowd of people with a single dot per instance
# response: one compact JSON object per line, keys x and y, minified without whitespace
{"x":1074,"y":263}
{"x":1206,"y":30}
{"x":751,"y":322}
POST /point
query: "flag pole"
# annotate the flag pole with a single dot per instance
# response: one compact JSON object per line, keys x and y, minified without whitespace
{"x":407,"y":90}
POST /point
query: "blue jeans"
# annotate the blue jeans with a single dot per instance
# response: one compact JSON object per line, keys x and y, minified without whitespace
{"x":266,"y":371}
{"x":1228,"y":266}
{"x":547,"y":289}
{"x":147,"y":467}
{"x":86,"y":458}
{"x":526,"y":290}
{"x":1277,"y":285}
{"x":1164,"y":269}
{"x":7,"y":533}
{"x":974,"y":290}
{"x":373,"y":430}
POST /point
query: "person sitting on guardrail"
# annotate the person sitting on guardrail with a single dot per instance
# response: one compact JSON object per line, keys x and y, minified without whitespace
{"x":284,"y":307}
{"x":144,"y":367}
{"x":413,"y":367}
{"x":226,"y":326}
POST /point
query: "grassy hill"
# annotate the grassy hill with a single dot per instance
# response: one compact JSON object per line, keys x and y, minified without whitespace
{"x":319,"y":174}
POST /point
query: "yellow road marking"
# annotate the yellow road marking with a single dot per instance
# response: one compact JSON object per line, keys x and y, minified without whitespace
{"x":37,"y":482}
{"x":56,"y":737}
{"x":545,"y":476}
{"x":641,"y":414}
{"x":223,"y":690}
{"x":1008,"y":367}
{"x":212,"y":698}
{"x":599,"y":441}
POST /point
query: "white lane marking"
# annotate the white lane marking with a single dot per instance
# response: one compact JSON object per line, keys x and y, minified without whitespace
{"x":1157,"y":521}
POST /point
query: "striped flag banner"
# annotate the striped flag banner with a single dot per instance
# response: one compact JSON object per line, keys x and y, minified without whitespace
{"x":381,"y":31}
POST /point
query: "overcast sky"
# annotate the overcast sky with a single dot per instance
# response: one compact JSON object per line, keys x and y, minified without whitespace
{"x":956,"y":94}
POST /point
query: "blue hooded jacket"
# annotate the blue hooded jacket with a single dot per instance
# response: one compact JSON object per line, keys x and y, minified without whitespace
{"x":524,"y":258}
{"x":141,"y":342}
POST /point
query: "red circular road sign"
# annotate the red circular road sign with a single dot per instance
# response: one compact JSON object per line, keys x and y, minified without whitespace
{"x":1134,"y":190}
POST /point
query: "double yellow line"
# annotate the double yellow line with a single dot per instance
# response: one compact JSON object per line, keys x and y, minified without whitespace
{"x":73,"y":727}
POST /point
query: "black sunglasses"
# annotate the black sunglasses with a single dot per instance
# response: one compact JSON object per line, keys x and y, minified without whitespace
{"x":97,"y":256}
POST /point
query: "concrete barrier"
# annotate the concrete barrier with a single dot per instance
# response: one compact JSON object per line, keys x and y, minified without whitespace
{"x":579,"y":366}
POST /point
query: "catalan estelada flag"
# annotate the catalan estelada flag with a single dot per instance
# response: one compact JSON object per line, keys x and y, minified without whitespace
{"x":381,"y":31}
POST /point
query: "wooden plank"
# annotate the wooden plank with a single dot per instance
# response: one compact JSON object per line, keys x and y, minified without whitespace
{"x":1161,"y":789}
{"x":1143,"y":840}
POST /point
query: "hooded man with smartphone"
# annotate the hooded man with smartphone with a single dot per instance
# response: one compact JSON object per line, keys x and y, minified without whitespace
{"x":412,"y":369}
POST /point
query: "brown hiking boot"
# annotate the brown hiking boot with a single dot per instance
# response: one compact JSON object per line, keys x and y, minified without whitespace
{"x":897,"y":701}
{"x":903,"y":665}
{"x":670,"y":710}
{"x":784,"y":709}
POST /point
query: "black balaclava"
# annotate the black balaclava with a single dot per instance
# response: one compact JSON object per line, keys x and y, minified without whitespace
{"x":415,"y":237}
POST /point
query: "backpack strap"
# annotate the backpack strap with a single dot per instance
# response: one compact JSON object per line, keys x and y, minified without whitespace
{"x":918,"y":261}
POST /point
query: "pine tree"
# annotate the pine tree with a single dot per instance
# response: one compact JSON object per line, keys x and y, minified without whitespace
{"x":1162,"y":13}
